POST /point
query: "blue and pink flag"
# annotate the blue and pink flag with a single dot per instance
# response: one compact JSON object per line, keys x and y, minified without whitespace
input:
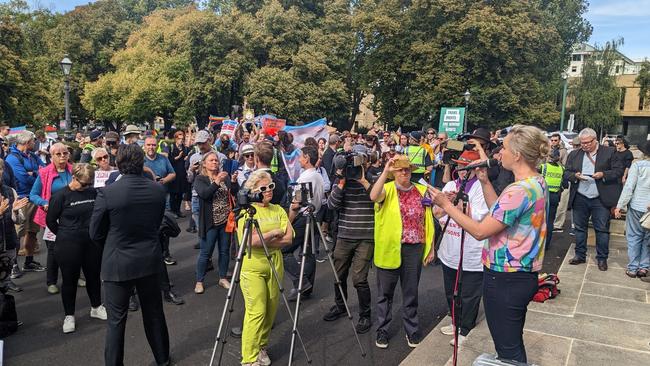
{"x":15,"y":130}
{"x":316,"y":129}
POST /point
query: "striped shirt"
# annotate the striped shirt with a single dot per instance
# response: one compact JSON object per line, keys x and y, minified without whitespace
{"x":356,"y":211}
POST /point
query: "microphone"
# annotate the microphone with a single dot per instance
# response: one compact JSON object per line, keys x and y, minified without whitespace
{"x":485,"y":164}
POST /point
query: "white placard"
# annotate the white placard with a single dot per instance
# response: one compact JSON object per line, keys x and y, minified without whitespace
{"x":101,"y":176}
{"x":48,"y":235}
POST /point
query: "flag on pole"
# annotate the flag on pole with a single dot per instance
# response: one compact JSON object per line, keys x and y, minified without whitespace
{"x":316,"y":129}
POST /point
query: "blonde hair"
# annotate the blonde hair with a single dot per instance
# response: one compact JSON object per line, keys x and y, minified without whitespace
{"x":97,"y":151}
{"x":205,"y":156}
{"x":84,"y":173}
{"x":530,"y":142}
{"x":255,"y":178}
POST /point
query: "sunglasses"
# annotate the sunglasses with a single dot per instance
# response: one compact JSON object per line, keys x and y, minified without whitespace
{"x":441,"y":138}
{"x":248,"y":156}
{"x":430,"y":133}
{"x":62,"y":154}
{"x":270,"y":187}
{"x":101,"y":158}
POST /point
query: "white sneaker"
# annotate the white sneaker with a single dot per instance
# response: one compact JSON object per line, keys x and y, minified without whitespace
{"x":68,"y":324}
{"x":98,"y":312}
{"x":461,"y":339}
{"x":263,"y":358}
{"x":448,"y":330}
{"x":224,"y":283}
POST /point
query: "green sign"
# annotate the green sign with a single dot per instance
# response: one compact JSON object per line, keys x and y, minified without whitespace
{"x":451,"y":121}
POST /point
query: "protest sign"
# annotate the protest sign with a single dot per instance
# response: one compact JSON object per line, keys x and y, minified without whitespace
{"x":101,"y":176}
{"x":271,"y":125}
{"x":228,"y":127}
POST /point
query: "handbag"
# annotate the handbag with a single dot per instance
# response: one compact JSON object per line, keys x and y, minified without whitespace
{"x":231,"y":224}
{"x":645,"y":220}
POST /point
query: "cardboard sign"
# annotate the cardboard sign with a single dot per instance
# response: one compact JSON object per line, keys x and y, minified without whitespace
{"x":101,"y":176}
{"x":271,"y":126}
{"x":228,"y":128}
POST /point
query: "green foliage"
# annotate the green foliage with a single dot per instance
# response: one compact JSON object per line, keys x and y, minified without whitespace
{"x":643,"y":79}
{"x":596,"y":95}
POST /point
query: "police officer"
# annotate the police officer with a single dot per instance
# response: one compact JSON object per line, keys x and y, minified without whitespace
{"x":418,"y":156}
{"x":553,"y":173}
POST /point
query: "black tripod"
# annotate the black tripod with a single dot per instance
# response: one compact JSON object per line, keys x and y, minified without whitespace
{"x":246,"y":244}
{"x":457,"y":306}
{"x":310,"y":239}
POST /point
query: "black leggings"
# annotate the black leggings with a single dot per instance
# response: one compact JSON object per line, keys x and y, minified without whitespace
{"x":505,"y":298}
{"x":52,"y":266}
{"x":73,"y":256}
{"x":470,"y":296}
{"x":175,"y":199}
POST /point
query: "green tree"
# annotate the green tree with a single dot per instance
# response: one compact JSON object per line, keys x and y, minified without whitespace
{"x":643,"y":79}
{"x":596,"y":97}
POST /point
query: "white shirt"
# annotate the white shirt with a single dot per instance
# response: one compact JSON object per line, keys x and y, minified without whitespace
{"x":313,"y":176}
{"x":449,"y":251}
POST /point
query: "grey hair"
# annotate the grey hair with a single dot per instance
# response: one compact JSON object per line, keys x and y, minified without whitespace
{"x":58,"y":147}
{"x":588,"y":132}
{"x":97,"y":151}
{"x":24,"y":137}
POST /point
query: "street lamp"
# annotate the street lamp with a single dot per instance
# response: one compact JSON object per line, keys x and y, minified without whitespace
{"x":467,"y":96}
{"x":564,"y":91}
{"x":66,"y":65}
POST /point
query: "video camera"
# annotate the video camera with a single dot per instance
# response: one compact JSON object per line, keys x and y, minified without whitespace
{"x":303,"y":193}
{"x":352,"y":162}
{"x":455,"y":148}
{"x":245,"y":197}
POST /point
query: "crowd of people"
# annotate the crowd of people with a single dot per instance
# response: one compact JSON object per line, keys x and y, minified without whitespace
{"x":382,"y":198}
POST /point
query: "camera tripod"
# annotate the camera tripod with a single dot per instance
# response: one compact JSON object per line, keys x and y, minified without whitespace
{"x":457,"y":306}
{"x":310,"y":239}
{"x":246,"y":245}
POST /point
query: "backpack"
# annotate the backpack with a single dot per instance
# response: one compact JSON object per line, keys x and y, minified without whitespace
{"x":546,"y":287}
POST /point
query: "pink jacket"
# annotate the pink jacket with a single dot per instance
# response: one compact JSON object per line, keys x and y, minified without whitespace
{"x":47,"y":174}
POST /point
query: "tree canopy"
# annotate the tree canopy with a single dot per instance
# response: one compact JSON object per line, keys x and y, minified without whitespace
{"x":299,"y":59}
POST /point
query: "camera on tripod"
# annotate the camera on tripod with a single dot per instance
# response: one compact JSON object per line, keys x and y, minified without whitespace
{"x":303,"y":193}
{"x":245,"y":197}
{"x":351,"y":162}
{"x":455,"y":148}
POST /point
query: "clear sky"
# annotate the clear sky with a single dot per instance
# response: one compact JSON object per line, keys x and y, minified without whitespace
{"x":611,"y":19}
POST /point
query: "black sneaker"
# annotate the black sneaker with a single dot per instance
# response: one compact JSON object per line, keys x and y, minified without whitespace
{"x":363,"y":326}
{"x":413,"y":340}
{"x":334,"y":313}
{"x":16,"y":272}
{"x":382,"y":339}
{"x":33,"y":267}
{"x":169,"y":260}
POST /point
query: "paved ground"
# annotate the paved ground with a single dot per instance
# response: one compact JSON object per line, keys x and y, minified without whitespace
{"x":600,"y":318}
{"x":193,"y":326}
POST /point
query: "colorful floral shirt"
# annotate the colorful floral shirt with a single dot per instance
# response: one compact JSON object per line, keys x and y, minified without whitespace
{"x":410,"y":206}
{"x":520,"y":247}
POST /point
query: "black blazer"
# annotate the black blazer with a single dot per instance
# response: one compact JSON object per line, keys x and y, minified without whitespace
{"x":609,"y":187}
{"x":125,"y":221}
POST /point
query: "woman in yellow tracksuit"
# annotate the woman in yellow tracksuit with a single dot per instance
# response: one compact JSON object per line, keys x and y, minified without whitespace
{"x":260,"y":289}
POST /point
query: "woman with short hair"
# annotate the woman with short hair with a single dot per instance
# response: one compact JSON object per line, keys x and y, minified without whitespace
{"x":516,"y":232}
{"x":259,"y":287}
{"x":102,"y":159}
{"x":68,"y":216}
{"x":215,"y":189}
{"x":51,"y":179}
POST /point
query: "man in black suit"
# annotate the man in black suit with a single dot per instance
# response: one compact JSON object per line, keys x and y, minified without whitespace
{"x":595,"y":174}
{"x":125,"y":221}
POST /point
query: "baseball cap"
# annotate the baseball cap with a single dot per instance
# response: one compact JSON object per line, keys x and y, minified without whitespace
{"x":202,"y":136}
{"x":96,"y":134}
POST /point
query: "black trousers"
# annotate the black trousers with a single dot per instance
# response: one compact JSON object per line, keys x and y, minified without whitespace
{"x":291,"y":266}
{"x":175,"y":199}
{"x":408,"y":275}
{"x":165,"y":285}
{"x":52,"y":275}
{"x":505,"y":298}
{"x":470,"y":296}
{"x":354,"y":255}
{"x":73,"y":257}
{"x":554,"y":202}
{"x":153,"y":317}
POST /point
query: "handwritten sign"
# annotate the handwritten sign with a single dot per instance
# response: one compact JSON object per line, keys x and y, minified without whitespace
{"x":101,"y":176}
{"x":271,"y":126}
{"x":228,"y":128}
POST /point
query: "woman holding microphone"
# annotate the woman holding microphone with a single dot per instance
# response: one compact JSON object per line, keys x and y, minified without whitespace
{"x":516,"y":231}
{"x":259,"y":287}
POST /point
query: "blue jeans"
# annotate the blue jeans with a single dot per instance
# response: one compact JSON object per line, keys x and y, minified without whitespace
{"x":638,"y":240}
{"x":216,"y":235}
{"x":583,"y":208}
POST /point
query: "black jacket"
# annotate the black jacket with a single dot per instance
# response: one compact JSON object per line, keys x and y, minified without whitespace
{"x":609,"y":187}
{"x":205,"y":190}
{"x":125,"y":221}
